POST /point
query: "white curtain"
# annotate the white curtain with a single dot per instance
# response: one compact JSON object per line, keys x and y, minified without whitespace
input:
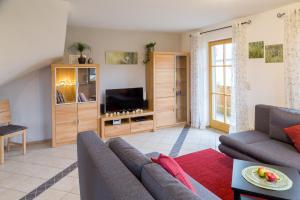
{"x":292,"y":58}
{"x":199,"y":82}
{"x":239,"y":103}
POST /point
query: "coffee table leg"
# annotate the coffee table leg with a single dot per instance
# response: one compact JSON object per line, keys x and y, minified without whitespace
{"x":237,"y":195}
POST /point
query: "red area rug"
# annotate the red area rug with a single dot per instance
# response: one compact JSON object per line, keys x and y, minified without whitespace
{"x":210,"y":168}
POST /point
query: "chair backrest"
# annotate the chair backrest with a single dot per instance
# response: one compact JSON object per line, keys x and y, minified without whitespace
{"x":5,"y":116}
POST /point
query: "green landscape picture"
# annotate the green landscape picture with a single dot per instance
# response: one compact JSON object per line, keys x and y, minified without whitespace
{"x":274,"y":53}
{"x":256,"y":49}
{"x":121,"y":57}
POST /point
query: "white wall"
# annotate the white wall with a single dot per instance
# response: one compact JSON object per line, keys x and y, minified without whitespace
{"x":32,"y":36}
{"x":266,"y":80}
{"x":121,"y":76}
{"x":30,"y":99}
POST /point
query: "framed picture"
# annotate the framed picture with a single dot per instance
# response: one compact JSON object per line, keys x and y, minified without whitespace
{"x":73,"y":59}
{"x":256,"y":50}
{"x":121,"y":58}
{"x":274,"y":53}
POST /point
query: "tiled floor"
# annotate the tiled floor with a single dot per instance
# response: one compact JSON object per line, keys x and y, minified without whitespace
{"x":21,"y":174}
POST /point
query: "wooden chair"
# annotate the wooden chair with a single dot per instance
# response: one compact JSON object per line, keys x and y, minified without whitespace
{"x":8,"y":130}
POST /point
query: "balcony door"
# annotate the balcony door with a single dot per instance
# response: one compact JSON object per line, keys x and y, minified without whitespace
{"x":220,"y":65}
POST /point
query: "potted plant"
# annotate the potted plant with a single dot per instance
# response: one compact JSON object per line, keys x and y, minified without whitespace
{"x":80,"y":47}
{"x":150,"y":46}
{"x":149,"y":49}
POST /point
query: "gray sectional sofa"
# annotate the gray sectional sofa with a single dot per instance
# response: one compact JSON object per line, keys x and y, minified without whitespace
{"x":117,"y":171}
{"x":267,"y":143}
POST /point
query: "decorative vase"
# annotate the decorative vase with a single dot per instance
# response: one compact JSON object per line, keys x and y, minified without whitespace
{"x":81,"y":59}
{"x":90,"y":61}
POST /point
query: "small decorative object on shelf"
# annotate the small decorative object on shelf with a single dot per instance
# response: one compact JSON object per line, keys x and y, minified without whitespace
{"x":90,"y":60}
{"x":149,"y":49}
{"x":80,"y":47}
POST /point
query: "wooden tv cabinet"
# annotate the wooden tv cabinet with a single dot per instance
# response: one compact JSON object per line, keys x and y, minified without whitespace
{"x":130,"y":123}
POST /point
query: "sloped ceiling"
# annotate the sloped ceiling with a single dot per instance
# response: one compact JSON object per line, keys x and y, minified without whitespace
{"x":164,"y":15}
{"x":32,"y":35}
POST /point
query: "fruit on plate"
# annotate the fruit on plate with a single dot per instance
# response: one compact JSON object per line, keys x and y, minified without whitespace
{"x":271,"y":177}
{"x":261,"y":172}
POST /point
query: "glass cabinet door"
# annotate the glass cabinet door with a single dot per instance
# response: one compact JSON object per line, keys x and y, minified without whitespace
{"x":181,"y":88}
{"x":65,"y":84}
{"x":86,"y":85}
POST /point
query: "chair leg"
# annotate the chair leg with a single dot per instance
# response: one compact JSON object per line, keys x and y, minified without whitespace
{"x":24,"y":141}
{"x":1,"y":150}
{"x":8,"y":144}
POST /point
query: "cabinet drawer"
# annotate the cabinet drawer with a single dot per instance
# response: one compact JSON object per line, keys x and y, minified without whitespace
{"x":87,"y":125}
{"x":87,"y":117}
{"x":116,"y":130}
{"x":87,"y":111}
{"x":165,"y":119}
{"x":66,"y":132}
{"x":141,"y":126}
{"x":66,"y":113}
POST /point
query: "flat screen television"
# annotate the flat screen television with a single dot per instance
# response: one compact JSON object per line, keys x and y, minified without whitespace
{"x":124,"y":99}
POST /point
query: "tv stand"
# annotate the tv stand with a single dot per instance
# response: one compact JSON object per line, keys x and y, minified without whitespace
{"x":130,"y":124}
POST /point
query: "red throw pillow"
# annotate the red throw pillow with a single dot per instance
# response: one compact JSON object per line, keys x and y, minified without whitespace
{"x":294,"y":134}
{"x":171,"y":166}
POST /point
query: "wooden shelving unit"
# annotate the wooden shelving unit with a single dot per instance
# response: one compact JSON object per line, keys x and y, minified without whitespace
{"x":75,"y":102}
{"x":168,"y":88}
{"x":130,"y":124}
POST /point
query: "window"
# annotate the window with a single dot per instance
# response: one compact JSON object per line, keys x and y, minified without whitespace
{"x":220,"y":64}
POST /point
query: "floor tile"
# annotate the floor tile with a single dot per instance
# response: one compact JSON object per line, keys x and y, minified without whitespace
{"x":76,"y":189}
{"x":51,"y":194}
{"x":9,"y":194}
{"x":70,"y":196}
{"x":74,"y":173}
{"x":66,"y":184}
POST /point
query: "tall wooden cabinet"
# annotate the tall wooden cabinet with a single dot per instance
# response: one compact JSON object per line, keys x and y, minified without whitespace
{"x":75,"y":101}
{"x":168,"y":88}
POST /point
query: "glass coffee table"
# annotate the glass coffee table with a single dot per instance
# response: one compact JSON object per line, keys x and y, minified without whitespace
{"x":241,"y":186}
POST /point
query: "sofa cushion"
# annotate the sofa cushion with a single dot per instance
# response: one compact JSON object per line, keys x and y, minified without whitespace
{"x":241,"y":138}
{"x":293,"y":133}
{"x":163,"y":186}
{"x":276,"y":152}
{"x":102,"y":175}
{"x":281,"y":118}
{"x":173,"y":168}
{"x":262,"y":118}
{"x":130,"y":156}
{"x":236,"y":154}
